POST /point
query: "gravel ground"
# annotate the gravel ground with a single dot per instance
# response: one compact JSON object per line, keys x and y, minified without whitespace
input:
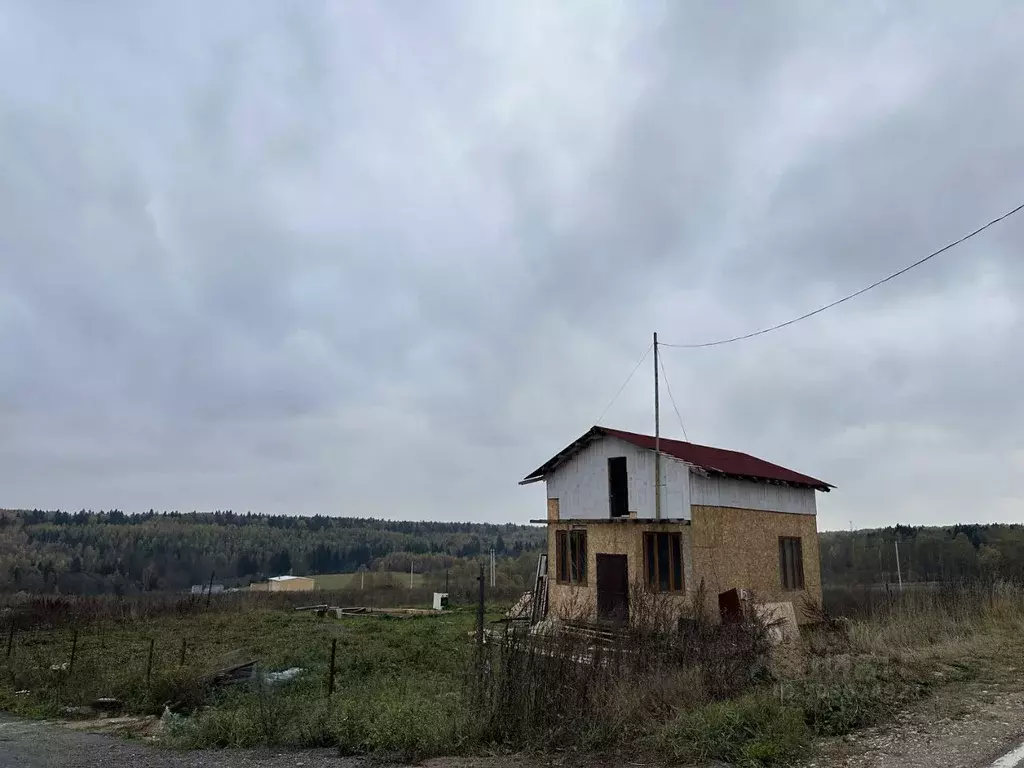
{"x":961,"y":726}
{"x":35,"y":744}
{"x":38,"y":744}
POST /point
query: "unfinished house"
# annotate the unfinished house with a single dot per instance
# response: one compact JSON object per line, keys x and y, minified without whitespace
{"x":725,"y":518}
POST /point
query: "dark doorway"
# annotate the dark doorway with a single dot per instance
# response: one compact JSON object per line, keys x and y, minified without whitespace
{"x":613,"y":588}
{"x":729,"y":607}
{"x":618,"y":487}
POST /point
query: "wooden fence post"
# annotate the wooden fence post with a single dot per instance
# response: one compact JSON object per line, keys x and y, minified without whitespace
{"x":480,"y":610}
{"x":209,"y":590}
{"x":184,"y":645}
{"x":149,"y":661}
{"x":10,"y":638}
{"x":74,"y":648}
{"x":330,"y":675}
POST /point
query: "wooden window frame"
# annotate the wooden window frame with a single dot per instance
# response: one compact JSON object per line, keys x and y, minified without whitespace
{"x":675,"y":546}
{"x":791,"y":563}
{"x":571,"y":558}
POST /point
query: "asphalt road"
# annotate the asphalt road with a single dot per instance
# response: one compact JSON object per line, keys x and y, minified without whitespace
{"x":34,"y":744}
{"x":39,"y":744}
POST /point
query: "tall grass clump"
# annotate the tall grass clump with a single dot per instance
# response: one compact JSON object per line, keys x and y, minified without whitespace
{"x":939,"y":617}
{"x":752,"y":730}
{"x":404,"y":722}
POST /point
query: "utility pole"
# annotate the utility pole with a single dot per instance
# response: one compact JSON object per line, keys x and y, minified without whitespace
{"x":362,"y":578}
{"x":657,"y":437}
{"x":899,"y":573}
{"x":492,"y":567}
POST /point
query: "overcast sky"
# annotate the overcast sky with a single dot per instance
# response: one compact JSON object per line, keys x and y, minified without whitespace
{"x":386,"y":258}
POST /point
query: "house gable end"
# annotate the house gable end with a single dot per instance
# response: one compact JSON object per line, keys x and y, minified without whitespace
{"x":580,"y":482}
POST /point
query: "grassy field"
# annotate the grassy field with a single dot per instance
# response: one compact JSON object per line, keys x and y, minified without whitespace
{"x":391,"y":677}
{"x":413,"y":688}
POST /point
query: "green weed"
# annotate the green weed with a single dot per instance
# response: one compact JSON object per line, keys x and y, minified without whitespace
{"x":845,"y":700}
{"x":752,"y":730}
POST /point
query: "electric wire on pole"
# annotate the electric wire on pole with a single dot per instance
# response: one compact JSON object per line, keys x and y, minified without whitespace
{"x":668,"y":388}
{"x":855,"y":294}
{"x":628,"y":378}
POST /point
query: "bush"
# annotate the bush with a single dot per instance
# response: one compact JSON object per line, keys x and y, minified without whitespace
{"x":595,"y":688}
{"x":401,"y":722}
{"x":180,"y":690}
{"x":752,"y":730}
{"x":392,"y":718}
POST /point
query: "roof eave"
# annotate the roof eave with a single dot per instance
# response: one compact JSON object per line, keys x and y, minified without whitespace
{"x":557,"y":460}
{"x":813,"y":483}
{"x":597,"y":431}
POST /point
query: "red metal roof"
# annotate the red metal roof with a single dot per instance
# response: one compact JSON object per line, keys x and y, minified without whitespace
{"x":714,"y":460}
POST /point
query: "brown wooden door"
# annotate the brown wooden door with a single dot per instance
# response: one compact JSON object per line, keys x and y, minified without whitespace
{"x":613,"y":588}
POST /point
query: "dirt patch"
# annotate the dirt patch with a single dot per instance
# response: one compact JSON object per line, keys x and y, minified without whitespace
{"x":138,"y":726}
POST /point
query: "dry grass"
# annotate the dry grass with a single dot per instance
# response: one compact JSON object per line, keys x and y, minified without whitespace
{"x":897,"y":648}
{"x":610,"y":690}
{"x":938,"y":622}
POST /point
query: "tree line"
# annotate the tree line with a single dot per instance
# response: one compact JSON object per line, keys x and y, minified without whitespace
{"x":106,"y":552}
{"x":926,"y":553}
{"x":111,"y":552}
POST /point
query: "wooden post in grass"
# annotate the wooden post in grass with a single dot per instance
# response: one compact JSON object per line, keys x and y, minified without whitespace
{"x":184,"y":645}
{"x":149,"y":661}
{"x":10,"y":638}
{"x":209,"y":590}
{"x":330,"y":674}
{"x":480,"y":610}
{"x":74,"y":648}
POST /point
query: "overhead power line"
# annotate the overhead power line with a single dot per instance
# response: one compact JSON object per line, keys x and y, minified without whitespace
{"x":854,"y":295}
{"x":635,"y":369}
{"x":672,"y":399}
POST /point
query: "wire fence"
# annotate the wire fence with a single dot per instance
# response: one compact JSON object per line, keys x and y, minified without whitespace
{"x":25,"y":612}
{"x":68,"y":667}
{"x":61,"y":653}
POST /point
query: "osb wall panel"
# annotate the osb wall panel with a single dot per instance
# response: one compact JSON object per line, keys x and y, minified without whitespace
{"x":552,"y":509}
{"x":626,"y":538}
{"x":740,"y":548}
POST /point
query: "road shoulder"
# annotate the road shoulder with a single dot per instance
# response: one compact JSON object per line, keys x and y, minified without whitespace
{"x":962,"y":725}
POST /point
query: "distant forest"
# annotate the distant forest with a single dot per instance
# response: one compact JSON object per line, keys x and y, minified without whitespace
{"x":117,"y":553}
{"x":113,"y":552}
{"x":956,"y":553}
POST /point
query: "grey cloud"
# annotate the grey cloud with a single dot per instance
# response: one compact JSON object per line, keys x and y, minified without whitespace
{"x":378,"y":260}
